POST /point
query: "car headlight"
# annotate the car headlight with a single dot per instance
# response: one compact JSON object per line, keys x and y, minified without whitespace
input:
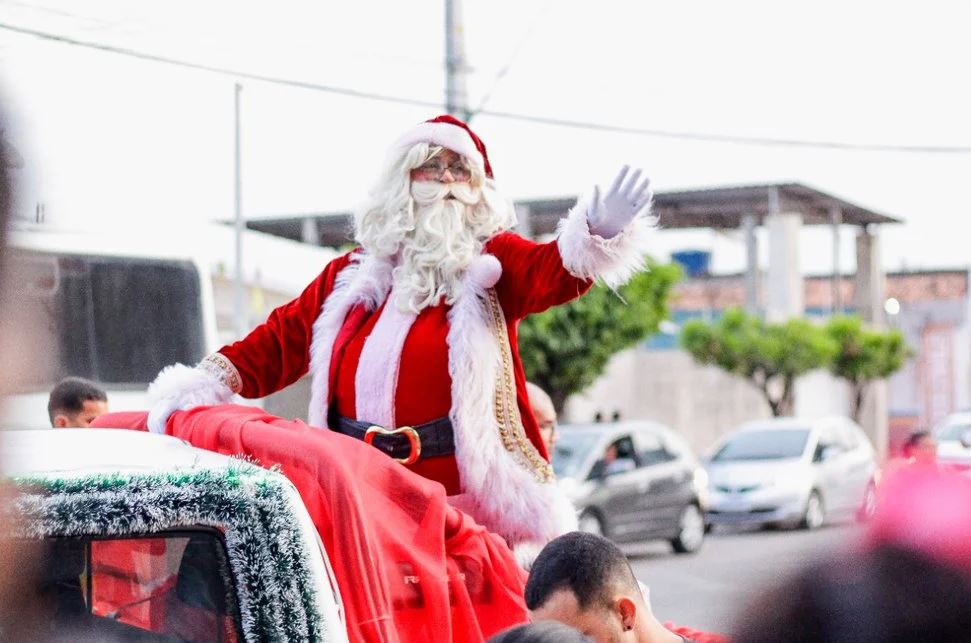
{"x":701,"y":483}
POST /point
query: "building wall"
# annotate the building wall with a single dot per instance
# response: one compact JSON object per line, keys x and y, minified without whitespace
{"x":667,"y":386}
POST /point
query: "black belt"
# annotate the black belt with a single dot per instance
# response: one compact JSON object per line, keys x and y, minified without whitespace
{"x":407,"y":443}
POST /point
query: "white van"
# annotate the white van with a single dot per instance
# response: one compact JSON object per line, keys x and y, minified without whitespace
{"x":111,"y":306}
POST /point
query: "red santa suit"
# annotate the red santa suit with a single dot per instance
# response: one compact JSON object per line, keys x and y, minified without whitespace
{"x":375,"y":364}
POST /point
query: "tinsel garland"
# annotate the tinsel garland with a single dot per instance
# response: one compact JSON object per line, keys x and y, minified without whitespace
{"x":267,"y":556}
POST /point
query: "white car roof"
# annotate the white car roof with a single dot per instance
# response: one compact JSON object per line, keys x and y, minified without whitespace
{"x":788,"y":423}
{"x":87,"y":451}
{"x":615,"y":427}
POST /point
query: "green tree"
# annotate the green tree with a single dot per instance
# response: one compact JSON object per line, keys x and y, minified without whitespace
{"x":770,"y":355}
{"x":566,"y":348}
{"x":864,"y":355}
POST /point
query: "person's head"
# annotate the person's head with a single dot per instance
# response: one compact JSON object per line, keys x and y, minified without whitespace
{"x":75,"y":402}
{"x":545,"y":414}
{"x":610,"y":454}
{"x":542,"y":632}
{"x":431,"y":211}
{"x":886,"y":595}
{"x":921,"y":447}
{"x":585,"y":581}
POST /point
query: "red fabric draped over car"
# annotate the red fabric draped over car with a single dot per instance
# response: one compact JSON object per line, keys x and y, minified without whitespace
{"x":409,"y":566}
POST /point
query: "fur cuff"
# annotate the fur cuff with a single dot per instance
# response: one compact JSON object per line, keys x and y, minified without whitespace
{"x":587,"y":256}
{"x":183,"y":387}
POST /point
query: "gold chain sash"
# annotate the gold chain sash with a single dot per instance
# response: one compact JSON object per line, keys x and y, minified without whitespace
{"x":508,"y":418}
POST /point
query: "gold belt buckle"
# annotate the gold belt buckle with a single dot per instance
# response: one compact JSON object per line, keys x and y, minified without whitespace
{"x":413,"y":439}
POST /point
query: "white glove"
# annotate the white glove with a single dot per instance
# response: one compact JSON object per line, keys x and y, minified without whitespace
{"x":624,"y":201}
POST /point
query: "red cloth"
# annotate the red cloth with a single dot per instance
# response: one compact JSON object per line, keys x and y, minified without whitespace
{"x":276,"y":353}
{"x":409,"y":566}
{"x":698,"y":636}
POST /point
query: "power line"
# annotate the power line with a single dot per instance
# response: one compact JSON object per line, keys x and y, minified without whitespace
{"x":729,"y":138}
{"x":226,"y":71}
{"x":542,"y":120}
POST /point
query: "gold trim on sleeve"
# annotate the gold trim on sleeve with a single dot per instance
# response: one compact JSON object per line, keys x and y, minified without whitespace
{"x":219,"y":366}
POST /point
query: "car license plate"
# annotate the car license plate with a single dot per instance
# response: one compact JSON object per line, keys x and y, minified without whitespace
{"x":736,"y":505}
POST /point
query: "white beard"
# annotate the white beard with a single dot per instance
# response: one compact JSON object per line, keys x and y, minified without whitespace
{"x":433,"y":257}
{"x":431,"y":232}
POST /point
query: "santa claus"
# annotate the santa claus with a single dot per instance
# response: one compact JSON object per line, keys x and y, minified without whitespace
{"x":410,"y":339}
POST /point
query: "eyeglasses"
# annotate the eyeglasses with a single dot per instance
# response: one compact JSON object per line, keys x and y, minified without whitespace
{"x":436,"y":171}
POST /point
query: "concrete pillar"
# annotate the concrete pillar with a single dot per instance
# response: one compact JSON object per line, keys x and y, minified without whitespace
{"x":524,"y":225}
{"x":870,"y":291}
{"x":784,"y":298}
{"x":868,"y":299}
{"x":752,"y":271}
{"x":835,"y":219}
{"x":309,"y":232}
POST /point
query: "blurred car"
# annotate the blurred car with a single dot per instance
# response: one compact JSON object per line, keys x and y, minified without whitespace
{"x":633,"y":481}
{"x":954,"y":442}
{"x":791,"y":471}
{"x":145,"y":538}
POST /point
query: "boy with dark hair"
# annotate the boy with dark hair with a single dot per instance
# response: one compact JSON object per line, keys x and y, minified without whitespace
{"x":75,"y":402}
{"x":585,"y":581}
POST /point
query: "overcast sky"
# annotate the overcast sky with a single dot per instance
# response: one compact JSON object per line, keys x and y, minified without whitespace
{"x":107,"y":138}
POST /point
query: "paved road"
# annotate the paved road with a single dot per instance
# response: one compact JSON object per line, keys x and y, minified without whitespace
{"x":706,"y":589}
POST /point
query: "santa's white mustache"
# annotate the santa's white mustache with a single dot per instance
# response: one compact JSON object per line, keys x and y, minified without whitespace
{"x":429,"y":192}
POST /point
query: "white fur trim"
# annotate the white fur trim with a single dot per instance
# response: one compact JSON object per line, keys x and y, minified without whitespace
{"x":499,"y":492}
{"x":366,"y":280}
{"x":613,"y":261}
{"x":183,"y":387}
{"x":447,"y":135}
{"x":377,"y":371}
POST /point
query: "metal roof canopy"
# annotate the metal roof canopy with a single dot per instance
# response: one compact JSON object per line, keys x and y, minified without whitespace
{"x":722,"y":207}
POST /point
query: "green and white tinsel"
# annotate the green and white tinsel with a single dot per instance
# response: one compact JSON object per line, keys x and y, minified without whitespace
{"x":267,"y":556}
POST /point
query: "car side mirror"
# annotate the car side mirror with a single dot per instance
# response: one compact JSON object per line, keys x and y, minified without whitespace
{"x":620,"y":465}
{"x":966,"y":439}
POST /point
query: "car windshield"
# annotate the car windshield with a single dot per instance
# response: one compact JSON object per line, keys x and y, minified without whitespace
{"x":161,"y":587}
{"x":571,"y":451}
{"x":952,"y":431}
{"x":767,"y":444}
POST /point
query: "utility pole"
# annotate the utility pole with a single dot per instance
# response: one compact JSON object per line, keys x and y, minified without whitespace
{"x":239,"y":303}
{"x":456,"y":102}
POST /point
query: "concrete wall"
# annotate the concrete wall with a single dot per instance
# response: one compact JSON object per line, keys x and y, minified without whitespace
{"x":700,"y":402}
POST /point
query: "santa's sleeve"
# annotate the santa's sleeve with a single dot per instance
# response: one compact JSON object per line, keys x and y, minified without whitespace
{"x":537,"y":276}
{"x":274,"y":355}
{"x":533,"y":276}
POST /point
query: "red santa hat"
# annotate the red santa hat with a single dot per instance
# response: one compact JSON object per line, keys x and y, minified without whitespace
{"x":449,"y":132}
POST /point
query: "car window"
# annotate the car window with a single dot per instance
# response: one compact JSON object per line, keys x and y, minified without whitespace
{"x":952,"y":431}
{"x":164,"y":587}
{"x":100,"y":315}
{"x":652,"y":449}
{"x":763,"y":444}
{"x":571,"y":452}
{"x":620,"y":448}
